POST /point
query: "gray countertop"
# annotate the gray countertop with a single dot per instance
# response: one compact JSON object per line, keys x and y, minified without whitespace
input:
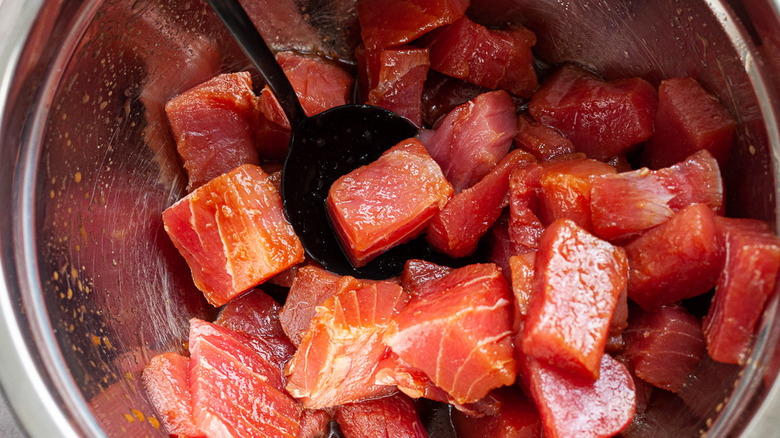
{"x":8,"y":426}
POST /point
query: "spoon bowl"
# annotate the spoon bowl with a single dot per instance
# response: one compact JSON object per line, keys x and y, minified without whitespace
{"x":322,"y":148}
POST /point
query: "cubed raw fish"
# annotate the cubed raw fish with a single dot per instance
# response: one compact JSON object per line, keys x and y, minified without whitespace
{"x":389,"y":23}
{"x":416,"y":384}
{"x":517,"y":418}
{"x":319,"y":85}
{"x":495,"y":59}
{"x":625,"y":204}
{"x":418,"y":274}
{"x":233,"y":233}
{"x":315,"y":424}
{"x":442,"y":93}
{"x":752,"y":258}
{"x":257,"y":315}
{"x":167,"y":383}
{"x":387,"y":202}
{"x":555,"y":189}
{"x":502,"y":249}
{"x":678,"y":259}
{"x":393,"y":79}
{"x":273,"y":129}
{"x":457,"y":228}
{"x":566,"y":188}
{"x":579,"y":278}
{"x":618,"y":324}
{"x":339,"y":353}
{"x":542,"y":141}
{"x":602,"y":119}
{"x":392,"y":416}
{"x":311,"y":287}
{"x":689,"y":119}
{"x":213,"y":126}
{"x":697,"y":179}
{"x":573,"y":407}
{"x":461,"y":336}
{"x":664,"y":346}
{"x":525,"y":189}
{"x":473,"y":138}
{"x":235,"y":392}
{"x":523,"y":268}
{"x":523,"y":271}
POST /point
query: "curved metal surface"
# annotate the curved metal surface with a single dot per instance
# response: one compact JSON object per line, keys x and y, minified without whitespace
{"x":24,"y":387}
{"x":92,"y":288}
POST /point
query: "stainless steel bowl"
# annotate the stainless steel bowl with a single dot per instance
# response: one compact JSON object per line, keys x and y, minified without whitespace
{"x":91,"y":287}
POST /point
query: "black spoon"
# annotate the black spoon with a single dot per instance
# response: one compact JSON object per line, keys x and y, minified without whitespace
{"x":323,"y":148}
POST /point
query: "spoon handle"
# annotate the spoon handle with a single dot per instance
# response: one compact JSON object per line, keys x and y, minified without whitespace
{"x":236,"y":20}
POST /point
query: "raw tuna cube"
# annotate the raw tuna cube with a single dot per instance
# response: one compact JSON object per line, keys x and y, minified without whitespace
{"x":286,"y":277}
{"x":393,"y":416}
{"x":602,"y":119}
{"x":689,"y":119}
{"x":525,"y":189}
{"x":628,"y":203}
{"x":257,"y":315}
{"x":664,"y":346}
{"x":418,"y":273}
{"x":696,"y":180}
{"x":233,"y":233}
{"x":387,"y":202}
{"x":461,"y":336}
{"x":319,"y":85}
{"x":245,"y":348}
{"x":517,"y":418}
{"x":495,"y":59}
{"x":388,"y":23}
{"x":234,"y":391}
{"x":580,"y":408}
{"x":566,"y":186}
{"x":166,"y":380}
{"x":273,"y":129}
{"x":473,"y":138}
{"x":213,"y":125}
{"x":752,"y":258}
{"x":678,"y":259}
{"x":457,"y":228}
{"x":393,"y":79}
{"x":523,"y":269}
{"x":542,"y":141}
{"x":441,"y":94}
{"x":502,"y":249}
{"x":579,"y":278}
{"x":339,"y":353}
{"x":618,"y":324}
{"x":311,"y":287}
{"x":414,"y":383}
{"x":315,"y":424}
